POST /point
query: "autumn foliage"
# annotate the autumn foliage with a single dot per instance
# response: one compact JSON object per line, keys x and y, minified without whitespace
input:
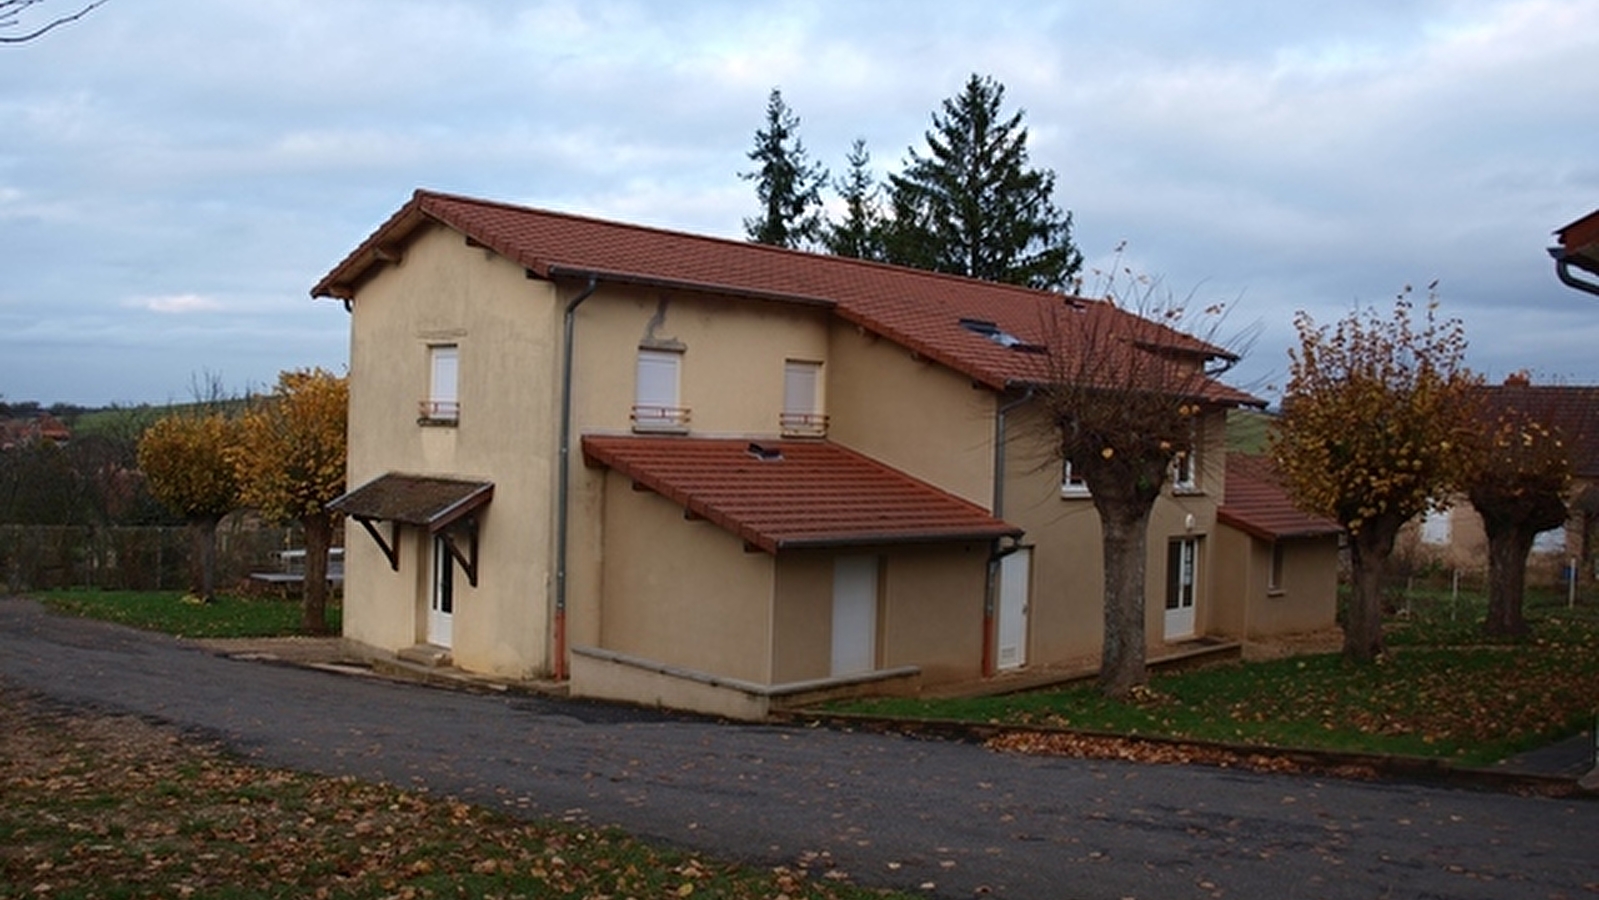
{"x":290,"y":463}
{"x":1518,"y":473}
{"x":186,"y":464}
{"x":1373,"y":419}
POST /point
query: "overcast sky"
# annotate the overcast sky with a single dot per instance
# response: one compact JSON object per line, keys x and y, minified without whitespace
{"x":176,"y":174}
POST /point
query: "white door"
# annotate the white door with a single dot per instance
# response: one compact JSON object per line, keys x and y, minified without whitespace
{"x":1182,"y":573}
{"x":1013,"y":587}
{"x":854,"y":614}
{"x":441,"y":600}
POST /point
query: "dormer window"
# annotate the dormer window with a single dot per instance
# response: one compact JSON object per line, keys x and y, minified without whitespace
{"x":656,"y":406}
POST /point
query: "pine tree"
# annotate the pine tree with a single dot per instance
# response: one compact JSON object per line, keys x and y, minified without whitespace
{"x":860,"y":234}
{"x":973,"y":206}
{"x":787,"y":184}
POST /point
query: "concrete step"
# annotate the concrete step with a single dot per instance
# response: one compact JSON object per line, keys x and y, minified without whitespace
{"x":427,"y":655}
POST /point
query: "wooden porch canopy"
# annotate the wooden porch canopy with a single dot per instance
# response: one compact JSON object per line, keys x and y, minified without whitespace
{"x":445,"y":507}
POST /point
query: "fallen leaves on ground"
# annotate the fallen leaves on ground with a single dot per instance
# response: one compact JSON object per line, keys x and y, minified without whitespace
{"x":101,"y":805}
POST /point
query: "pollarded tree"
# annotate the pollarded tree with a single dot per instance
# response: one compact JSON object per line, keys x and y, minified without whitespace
{"x":860,"y":234}
{"x":1373,"y":418}
{"x":187,"y":465}
{"x":1124,"y":400}
{"x":290,"y":461}
{"x":1517,"y":477}
{"x":974,"y":207}
{"x":787,"y":184}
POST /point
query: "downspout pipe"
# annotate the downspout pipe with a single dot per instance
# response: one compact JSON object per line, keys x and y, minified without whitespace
{"x":999,"y":551}
{"x":564,"y":470}
{"x":1563,"y":272}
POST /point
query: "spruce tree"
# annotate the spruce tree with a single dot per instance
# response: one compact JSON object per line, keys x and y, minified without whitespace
{"x":973,"y":207}
{"x":860,"y":234}
{"x":787,"y":184}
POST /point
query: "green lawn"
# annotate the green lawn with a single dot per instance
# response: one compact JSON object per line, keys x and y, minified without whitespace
{"x":169,"y":612}
{"x":1441,"y":692}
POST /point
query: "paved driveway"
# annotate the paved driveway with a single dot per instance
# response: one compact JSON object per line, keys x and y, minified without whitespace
{"x":888,"y":810}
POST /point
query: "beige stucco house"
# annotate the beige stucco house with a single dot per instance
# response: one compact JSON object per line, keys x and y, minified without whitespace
{"x":710,"y":474}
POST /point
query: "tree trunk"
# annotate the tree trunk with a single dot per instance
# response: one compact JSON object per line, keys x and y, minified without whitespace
{"x":318,"y":535}
{"x":1126,"y":542}
{"x":203,"y":557}
{"x":1507,"y":580}
{"x":1369,"y":549}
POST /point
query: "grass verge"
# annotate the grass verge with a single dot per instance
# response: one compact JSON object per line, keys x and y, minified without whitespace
{"x":169,"y":612}
{"x":105,"y":807}
{"x":1443,"y":693}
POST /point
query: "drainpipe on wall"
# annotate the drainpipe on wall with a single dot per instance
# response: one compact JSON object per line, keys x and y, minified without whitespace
{"x":1563,"y":272}
{"x":991,"y":588}
{"x":564,"y":466}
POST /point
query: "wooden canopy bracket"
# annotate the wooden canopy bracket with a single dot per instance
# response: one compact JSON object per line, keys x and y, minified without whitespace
{"x":468,"y":560}
{"x":390,"y":545}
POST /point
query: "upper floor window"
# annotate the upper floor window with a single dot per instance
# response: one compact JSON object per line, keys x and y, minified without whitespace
{"x":1185,"y":465}
{"x":443,"y":403}
{"x":802,"y":399}
{"x":1072,"y":482}
{"x":657,"y":401}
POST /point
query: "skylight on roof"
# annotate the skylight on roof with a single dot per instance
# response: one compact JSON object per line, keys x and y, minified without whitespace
{"x":998,"y":335}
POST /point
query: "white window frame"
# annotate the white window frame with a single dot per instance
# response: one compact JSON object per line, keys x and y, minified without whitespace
{"x":1072,"y":484}
{"x":657,"y":392}
{"x":1185,"y":466}
{"x":802,"y":414}
{"x":1279,"y":561}
{"x":443,"y":404}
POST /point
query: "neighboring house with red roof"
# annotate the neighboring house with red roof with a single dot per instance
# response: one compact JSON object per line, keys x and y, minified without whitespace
{"x":43,"y":428}
{"x":705,"y":473}
{"x":1282,"y":564}
{"x":1453,"y":537}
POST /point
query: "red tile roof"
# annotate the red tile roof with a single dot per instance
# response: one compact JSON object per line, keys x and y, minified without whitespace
{"x":1572,"y":411}
{"x":801,"y":494}
{"x":919,"y":310}
{"x":1256,"y":503}
{"x":1580,"y":240}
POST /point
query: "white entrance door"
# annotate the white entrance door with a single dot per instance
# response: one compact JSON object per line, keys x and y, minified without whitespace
{"x":854,"y":614}
{"x":1182,"y":574}
{"x":1013,"y":586}
{"x":441,"y":600}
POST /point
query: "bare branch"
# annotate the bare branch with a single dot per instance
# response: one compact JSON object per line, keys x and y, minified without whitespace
{"x":11,"y":12}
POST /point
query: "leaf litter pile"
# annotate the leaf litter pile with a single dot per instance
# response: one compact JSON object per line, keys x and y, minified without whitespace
{"x":112,"y":806}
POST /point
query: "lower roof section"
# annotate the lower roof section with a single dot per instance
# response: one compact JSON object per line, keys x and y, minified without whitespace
{"x":782,"y":495}
{"x":424,"y":501}
{"x":1257,"y":503}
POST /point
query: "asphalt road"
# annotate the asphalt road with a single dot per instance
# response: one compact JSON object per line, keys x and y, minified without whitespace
{"x":887,"y":810}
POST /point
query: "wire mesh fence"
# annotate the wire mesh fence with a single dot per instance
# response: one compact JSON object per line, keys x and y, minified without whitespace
{"x":47,"y":557}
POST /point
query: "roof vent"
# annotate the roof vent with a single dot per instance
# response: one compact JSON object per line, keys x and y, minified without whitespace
{"x":765,"y":454}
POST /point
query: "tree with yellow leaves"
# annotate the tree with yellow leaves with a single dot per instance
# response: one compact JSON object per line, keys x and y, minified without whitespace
{"x":186,"y":464}
{"x":1517,"y":477}
{"x":290,"y":463}
{"x":1370,"y":435}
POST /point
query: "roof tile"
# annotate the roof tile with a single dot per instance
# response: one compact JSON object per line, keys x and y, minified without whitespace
{"x":795,"y":493}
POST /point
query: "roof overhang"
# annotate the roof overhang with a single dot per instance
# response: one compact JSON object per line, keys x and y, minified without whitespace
{"x":445,"y":507}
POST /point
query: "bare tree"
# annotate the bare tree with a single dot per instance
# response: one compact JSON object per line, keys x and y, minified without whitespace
{"x":13,"y":12}
{"x":1125,"y":395}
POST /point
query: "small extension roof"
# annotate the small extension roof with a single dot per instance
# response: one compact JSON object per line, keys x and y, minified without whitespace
{"x":1257,"y":505}
{"x":426,"y":502}
{"x":1022,"y":335}
{"x":783,"y":495}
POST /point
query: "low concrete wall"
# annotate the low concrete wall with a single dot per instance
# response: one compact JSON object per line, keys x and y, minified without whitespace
{"x":607,"y":675}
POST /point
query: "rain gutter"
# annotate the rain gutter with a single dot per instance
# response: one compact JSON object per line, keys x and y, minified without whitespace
{"x":1563,"y":272}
